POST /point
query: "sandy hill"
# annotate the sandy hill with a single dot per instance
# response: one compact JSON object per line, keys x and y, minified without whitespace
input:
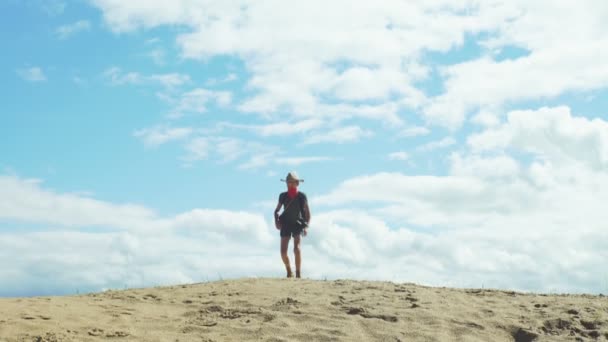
{"x":305,"y":310}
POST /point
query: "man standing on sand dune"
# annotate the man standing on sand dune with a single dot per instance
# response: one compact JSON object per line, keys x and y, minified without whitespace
{"x":293,"y":221}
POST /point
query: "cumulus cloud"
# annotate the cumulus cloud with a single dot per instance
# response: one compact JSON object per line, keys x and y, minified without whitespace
{"x":338,"y":135}
{"x":116,"y":76}
{"x":434,"y":145}
{"x":552,"y":133}
{"x":158,"y":135}
{"x":197,"y":100}
{"x":250,"y":155}
{"x":414,"y":131}
{"x":91,"y":244}
{"x":378,"y":53}
{"x":374,"y":55}
{"x":520,"y":205}
{"x":25,"y":200}
{"x":547,"y":69}
{"x":51,"y":7}
{"x":401,"y":155}
{"x":281,"y":128}
{"x":493,"y":219}
{"x":66,"y":31}
{"x":296,"y":161}
{"x":534,"y":224}
{"x":33,"y":74}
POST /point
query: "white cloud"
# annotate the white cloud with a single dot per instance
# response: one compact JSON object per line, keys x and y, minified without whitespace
{"x":484,"y":167}
{"x":158,"y":56}
{"x":372,"y":55}
{"x":520,"y":224}
{"x":439,"y":144}
{"x":196,"y":101}
{"x":226,"y":150}
{"x":338,"y":135}
{"x":214,"y":81}
{"x":25,"y":200}
{"x":170,"y":80}
{"x":530,"y":223}
{"x":152,"y":41}
{"x":66,"y":31}
{"x":548,"y":70}
{"x":534,"y":225}
{"x":296,"y":161}
{"x":551,"y":133}
{"x":132,"y":245}
{"x":158,"y":135}
{"x":79,"y":80}
{"x":376,"y":51}
{"x":117,"y":77}
{"x":258,"y":160}
{"x":52,"y":7}
{"x":197,"y":149}
{"x":487,"y":118}
{"x":401,"y":155}
{"x":414,"y":131}
{"x":281,"y":128}
{"x":33,"y":74}
{"x":251,"y":155}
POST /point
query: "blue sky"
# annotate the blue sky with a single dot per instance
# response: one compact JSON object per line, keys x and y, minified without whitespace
{"x":434,"y":140}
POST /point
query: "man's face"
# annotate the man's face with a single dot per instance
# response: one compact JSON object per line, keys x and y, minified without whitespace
{"x":292,"y":184}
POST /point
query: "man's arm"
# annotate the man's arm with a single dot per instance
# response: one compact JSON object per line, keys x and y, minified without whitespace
{"x":306,"y":213}
{"x":277,"y":224}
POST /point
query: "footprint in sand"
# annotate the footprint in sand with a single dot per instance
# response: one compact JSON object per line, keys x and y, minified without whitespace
{"x":48,"y":337}
{"x":95,"y":332}
{"x":363,"y":313}
{"x":231,"y":314}
{"x":286,"y":303}
{"x":344,"y":301}
{"x":555,"y":325}
{"x":488,"y":312}
{"x":591,"y":325}
{"x":411,"y":299}
{"x":469,"y":324}
{"x":152,"y":296}
{"x":118,"y":334}
{"x":521,"y":335}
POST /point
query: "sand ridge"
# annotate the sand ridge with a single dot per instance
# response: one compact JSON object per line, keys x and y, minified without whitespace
{"x":270,"y":309}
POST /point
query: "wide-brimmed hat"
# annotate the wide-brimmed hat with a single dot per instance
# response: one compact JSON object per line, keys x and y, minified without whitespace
{"x":292,"y":176}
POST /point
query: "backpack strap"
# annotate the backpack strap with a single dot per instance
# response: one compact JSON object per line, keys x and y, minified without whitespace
{"x":301,"y":200}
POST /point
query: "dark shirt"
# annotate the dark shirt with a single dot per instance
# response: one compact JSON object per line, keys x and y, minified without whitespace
{"x":295,"y":210}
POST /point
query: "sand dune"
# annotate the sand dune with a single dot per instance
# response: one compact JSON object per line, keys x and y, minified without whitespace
{"x":305,"y":310}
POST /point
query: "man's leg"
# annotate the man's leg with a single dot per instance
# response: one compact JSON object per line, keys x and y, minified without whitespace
{"x":284,"y":256}
{"x":297,"y":252}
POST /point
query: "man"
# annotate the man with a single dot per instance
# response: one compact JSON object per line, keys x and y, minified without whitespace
{"x":293,"y":221}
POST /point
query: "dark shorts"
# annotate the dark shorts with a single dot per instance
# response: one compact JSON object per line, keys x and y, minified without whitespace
{"x":290,"y":231}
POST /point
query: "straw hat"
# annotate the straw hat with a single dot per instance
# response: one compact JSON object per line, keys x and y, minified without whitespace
{"x":292,"y":176}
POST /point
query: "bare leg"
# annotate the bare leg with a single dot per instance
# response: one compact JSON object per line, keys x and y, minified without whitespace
{"x":298,"y":254}
{"x":284,"y":256}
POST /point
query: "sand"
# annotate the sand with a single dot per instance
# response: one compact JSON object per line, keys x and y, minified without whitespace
{"x":262,"y":309}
